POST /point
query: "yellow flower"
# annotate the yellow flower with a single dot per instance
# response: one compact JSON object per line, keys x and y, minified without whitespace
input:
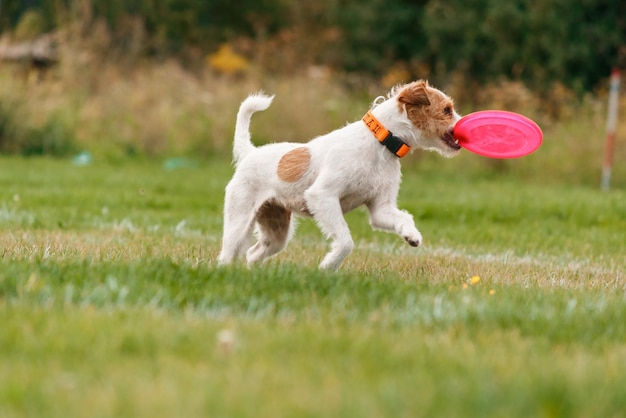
{"x":474,"y":280}
{"x":492,"y":292}
{"x":226,"y":60}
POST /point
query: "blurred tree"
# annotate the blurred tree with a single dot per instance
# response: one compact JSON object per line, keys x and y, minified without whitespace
{"x":539,"y":42}
{"x":31,"y":25}
{"x":377,"y":33}
{"x":12,"y":11}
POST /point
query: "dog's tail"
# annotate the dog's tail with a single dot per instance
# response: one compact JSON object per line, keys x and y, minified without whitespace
{"x":254,"y":103}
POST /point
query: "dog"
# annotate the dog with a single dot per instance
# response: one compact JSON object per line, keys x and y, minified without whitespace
{"x":332,"y":174}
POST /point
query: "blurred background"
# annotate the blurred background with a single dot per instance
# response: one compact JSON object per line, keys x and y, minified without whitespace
{"x":160,"y":79}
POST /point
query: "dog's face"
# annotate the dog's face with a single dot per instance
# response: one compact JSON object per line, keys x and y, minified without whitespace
{"x":432,"y":113}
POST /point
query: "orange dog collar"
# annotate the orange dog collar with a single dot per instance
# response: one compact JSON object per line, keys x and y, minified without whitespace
{"x":386,"y":138}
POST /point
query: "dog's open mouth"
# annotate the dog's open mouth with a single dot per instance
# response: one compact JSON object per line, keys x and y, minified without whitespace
{"x":451,"y":141}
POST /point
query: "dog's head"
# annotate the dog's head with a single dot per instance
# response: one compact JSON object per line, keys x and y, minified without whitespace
{"x":432,"y":115}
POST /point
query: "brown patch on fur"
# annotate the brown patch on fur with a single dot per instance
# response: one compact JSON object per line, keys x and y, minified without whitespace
{"x":294,"y":164}
{"x":429,"y":109}
{"x":273,"y":231}
{"x":415,"y":94}
{"x":273,"y":219}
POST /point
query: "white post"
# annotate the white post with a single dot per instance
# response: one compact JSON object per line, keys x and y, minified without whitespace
{"x":611,"y":123}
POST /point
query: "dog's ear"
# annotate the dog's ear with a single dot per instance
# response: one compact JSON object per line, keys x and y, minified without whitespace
{"x":415,"y":94}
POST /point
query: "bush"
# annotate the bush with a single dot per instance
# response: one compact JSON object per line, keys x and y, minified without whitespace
{"x":539,"y":43}
{"x":31,"y":25}
{"x":55,"y":137}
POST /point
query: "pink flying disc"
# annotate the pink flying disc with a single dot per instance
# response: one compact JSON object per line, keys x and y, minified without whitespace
{"x":498,"y":134}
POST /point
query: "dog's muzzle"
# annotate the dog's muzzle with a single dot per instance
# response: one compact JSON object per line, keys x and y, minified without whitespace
{"x":449,"y":139}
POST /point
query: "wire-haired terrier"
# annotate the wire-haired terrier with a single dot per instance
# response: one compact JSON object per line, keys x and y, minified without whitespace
{"x":332,"y":174}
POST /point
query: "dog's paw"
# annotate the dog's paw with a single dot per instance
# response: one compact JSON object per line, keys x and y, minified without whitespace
{"x":413,"y":242}
{"x":414,"y":239}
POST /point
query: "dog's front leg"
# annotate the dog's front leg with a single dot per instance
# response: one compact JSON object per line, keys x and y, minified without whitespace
{"x":326,"y":211}
{"x":389,"y":218}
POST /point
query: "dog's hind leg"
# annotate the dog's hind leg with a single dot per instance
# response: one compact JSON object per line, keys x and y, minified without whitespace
{"x":274,"y":228}
{"x":237,"y":237}
{"x":239,"y":217}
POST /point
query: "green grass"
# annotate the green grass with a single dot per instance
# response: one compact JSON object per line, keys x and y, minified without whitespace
{"x":111,"y":304}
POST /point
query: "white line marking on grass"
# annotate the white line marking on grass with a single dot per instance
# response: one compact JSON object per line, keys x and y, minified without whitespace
{"x":12,"y":216}
{"x":558,"y":270}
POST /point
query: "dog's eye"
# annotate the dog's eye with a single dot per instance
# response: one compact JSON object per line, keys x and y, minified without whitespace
{"x":447,"y":110}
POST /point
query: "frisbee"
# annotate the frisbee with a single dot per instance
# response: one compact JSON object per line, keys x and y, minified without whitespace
{"x":498,"y":134}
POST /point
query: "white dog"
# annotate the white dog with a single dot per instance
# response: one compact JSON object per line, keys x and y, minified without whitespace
{"x":332,"y":174}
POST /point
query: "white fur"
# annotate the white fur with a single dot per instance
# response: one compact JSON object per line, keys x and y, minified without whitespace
{"x":254,"y":103}
{"x":348,"y":168}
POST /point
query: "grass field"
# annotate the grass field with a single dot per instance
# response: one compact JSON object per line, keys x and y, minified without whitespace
{"x":111,"y":304}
